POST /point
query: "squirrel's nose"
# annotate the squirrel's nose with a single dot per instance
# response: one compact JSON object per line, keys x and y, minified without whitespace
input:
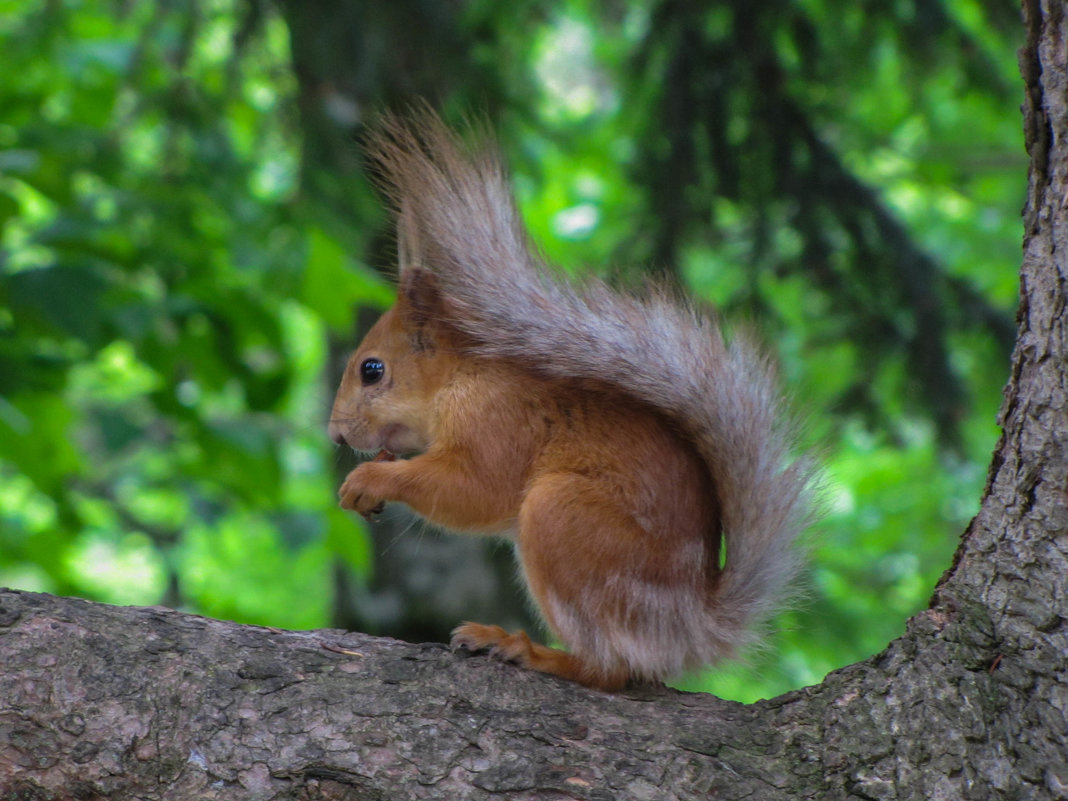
{"x":336,"y":434}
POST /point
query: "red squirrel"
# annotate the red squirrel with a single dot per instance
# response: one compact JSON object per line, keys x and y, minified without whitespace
{"x":615,"y":438}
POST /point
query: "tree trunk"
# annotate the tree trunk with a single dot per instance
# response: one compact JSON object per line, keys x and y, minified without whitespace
{"x":970,"y":703}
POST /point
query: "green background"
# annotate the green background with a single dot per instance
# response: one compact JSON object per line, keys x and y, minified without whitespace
{"x":187,"y":240}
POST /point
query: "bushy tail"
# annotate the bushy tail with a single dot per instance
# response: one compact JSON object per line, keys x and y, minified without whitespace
{"x":458,"y":220}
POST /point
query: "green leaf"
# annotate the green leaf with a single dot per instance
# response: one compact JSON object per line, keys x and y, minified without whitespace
{"x":347,"y":537}
{"x":58,"y":300}
{"x":333,"y":287}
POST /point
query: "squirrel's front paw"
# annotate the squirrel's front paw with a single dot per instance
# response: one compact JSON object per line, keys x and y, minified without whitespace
{"x":355,"y":494}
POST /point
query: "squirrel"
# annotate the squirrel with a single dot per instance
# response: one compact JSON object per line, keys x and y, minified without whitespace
{"x":639,"y":462}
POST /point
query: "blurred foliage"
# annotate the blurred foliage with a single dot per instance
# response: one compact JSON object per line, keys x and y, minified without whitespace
{"x":177,"y":269}
{"x":164,"y":314}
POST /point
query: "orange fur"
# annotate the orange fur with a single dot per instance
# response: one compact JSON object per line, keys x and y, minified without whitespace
{"x":609,"y":487}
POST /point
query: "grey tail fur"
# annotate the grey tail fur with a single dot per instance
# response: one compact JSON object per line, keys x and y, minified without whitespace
{"x":457,"y":219}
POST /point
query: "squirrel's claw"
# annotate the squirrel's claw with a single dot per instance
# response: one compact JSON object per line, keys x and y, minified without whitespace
{"x":371,"y":514}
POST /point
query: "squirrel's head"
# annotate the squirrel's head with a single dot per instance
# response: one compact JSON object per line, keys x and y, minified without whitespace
{"x":387,"y":393}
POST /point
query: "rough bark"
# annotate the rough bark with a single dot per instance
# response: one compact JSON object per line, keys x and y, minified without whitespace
{"x":156,"y":704}
{"x":970,"y":703}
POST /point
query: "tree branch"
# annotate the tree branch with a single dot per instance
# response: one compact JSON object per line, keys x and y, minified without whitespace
{"x":147,"y":702}
{"x":103,"y":701}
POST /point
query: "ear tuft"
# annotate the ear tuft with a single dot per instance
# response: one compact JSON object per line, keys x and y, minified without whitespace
{"x":409,"y":249}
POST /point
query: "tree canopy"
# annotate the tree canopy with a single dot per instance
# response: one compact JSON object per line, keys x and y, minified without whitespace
{"x":188,"y":245}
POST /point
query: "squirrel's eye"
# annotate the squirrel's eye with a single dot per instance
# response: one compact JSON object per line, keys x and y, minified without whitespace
{"x":371,"y":371}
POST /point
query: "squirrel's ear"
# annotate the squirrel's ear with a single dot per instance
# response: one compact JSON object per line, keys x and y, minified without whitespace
{"x":419,"y":300}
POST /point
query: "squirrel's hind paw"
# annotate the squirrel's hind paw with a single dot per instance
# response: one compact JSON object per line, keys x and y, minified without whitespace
{"x":477,"y":637}
{"x":519,"y":649}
